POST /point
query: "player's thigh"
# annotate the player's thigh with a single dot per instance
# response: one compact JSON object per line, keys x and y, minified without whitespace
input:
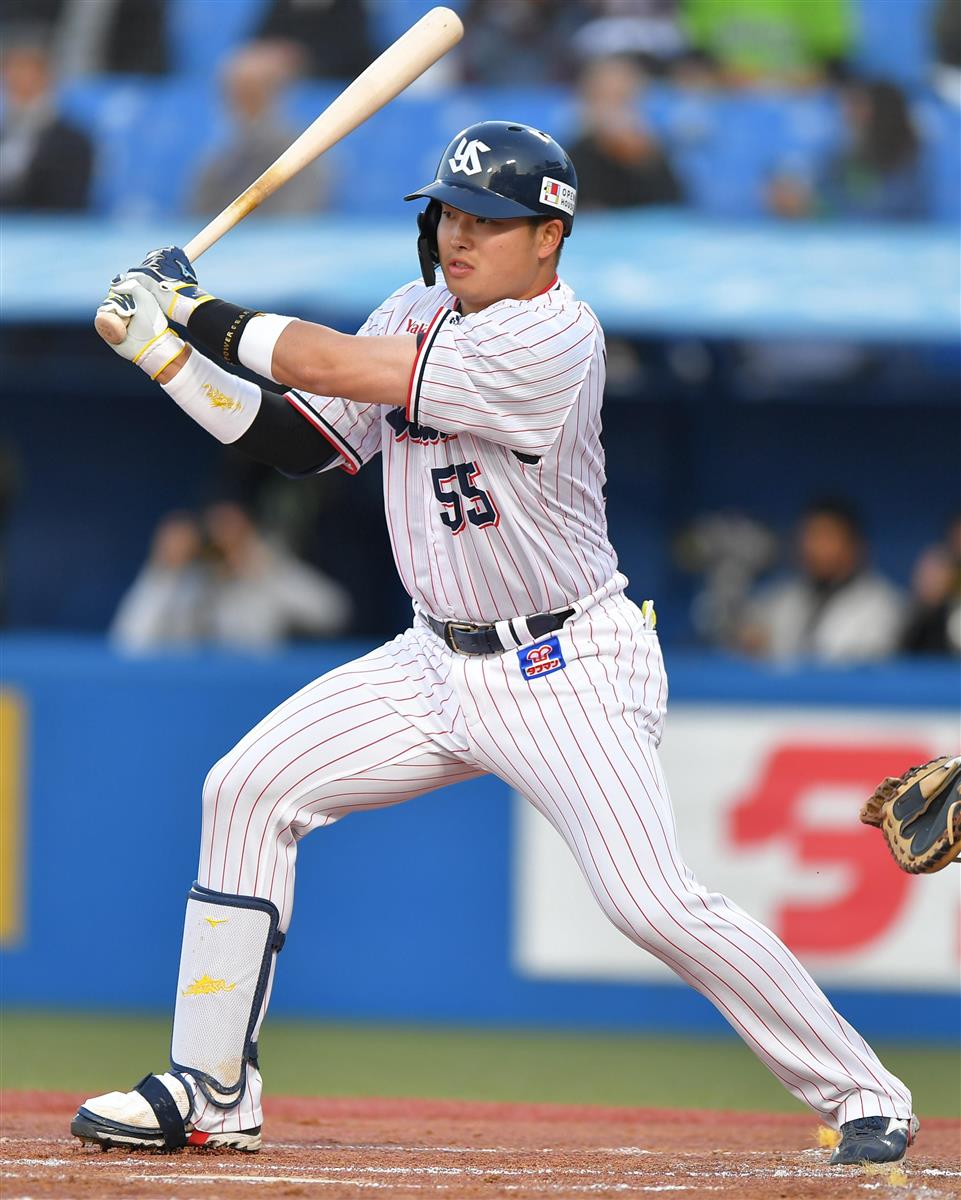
{"x":580,"y":742}
{"x":370,"y":733}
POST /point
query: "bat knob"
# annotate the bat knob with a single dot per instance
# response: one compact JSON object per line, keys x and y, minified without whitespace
{"x":112,"y":329}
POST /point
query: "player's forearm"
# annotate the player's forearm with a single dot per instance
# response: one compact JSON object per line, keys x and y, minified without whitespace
{"x":239,"y":413}
{"x":303,"y":355}
{"x":368,"y":370}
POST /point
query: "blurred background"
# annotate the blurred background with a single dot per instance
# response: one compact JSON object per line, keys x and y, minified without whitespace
{"x":768,"y":229}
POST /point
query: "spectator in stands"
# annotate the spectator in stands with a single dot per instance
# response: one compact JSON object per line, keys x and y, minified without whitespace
{"x":878,"y":176}
{"x":946,"y":37}
{"x":934,"y":619}
{"x":729,"y":551}
{"x":619,"y":162}
{"x":332,"y":35}
{"x":252,"y":80}
{"x":834,"y":608}
{"x":221,"y":582}
{"x":166,"y":603}
{"x":512,"y":42}
{"x":649,"y":31}
{"x":764,"y":42}
{"x":88,"y":37}
{"x":45,"y":162}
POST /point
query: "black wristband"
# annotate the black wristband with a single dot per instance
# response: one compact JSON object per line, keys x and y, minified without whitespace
{"x":219,"y":324}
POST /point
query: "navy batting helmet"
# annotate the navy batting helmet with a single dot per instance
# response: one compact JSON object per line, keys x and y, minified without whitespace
{"x":497,"y":169}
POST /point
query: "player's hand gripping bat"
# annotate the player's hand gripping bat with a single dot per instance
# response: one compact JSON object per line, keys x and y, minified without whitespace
{"x":386,"y":77}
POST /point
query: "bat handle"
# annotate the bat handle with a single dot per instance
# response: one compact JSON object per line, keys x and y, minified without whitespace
{"x":112,"y":328}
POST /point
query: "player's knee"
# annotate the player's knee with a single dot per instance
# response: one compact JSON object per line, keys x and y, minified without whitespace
{"x":627,"y":913}
{"x":213,"y":789}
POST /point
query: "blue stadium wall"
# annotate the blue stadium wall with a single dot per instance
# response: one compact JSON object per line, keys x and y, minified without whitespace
{"x":404,"y":915}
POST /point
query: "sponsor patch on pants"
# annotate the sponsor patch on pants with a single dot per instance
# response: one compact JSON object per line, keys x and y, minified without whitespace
{"x":541,"y":659}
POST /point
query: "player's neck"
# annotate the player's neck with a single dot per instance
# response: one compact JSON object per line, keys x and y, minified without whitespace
{"x":538,"y":289}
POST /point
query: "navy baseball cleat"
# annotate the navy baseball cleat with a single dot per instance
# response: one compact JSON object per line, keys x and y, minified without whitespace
{"x":154,"y":1115}
{"x":874,"y":1140}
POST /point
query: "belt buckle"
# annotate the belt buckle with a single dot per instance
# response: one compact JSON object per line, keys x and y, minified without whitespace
{"x":449,"y":632}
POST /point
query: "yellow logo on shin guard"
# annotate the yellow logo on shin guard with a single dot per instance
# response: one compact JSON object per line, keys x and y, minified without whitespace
{"x":205,"y":986}
{"x":213,"y":922}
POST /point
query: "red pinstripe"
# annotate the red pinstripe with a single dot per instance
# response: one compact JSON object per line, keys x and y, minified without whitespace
{"x":780,"y":955}
{"x":340,"y":733}
{"x":676,"y":964}
{"x":282,"y":716}
{"x":514,"y":387}
{"x":483,"y":372}
{"x":659,"y":859}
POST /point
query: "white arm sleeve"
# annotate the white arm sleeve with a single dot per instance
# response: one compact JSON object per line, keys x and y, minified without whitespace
{"x":223,"y":404}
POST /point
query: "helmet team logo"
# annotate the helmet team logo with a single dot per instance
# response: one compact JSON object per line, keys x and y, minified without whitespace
{"x":541,"y":659}
{"x":466,"y":157}
{"x":558,"y":194}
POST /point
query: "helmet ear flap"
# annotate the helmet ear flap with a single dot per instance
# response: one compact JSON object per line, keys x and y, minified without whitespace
{"x":427,"y":251}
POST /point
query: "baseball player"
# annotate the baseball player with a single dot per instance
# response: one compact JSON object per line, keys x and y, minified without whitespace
{"x":480,"y":387}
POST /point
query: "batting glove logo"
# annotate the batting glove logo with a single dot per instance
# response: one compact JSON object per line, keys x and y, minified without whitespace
{"x":467,"y":156}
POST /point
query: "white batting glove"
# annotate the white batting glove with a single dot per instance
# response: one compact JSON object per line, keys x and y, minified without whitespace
{"x":168,"y":276}
{"x":150,"y":342}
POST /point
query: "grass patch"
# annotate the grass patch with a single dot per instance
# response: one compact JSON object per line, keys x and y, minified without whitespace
{"x":98,"y":1053}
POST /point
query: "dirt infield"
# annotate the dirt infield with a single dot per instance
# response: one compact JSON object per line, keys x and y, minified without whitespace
{"x":340,"y":1149}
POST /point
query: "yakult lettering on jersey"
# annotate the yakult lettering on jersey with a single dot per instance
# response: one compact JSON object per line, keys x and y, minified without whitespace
{"x":417,"y":433}
{"x":517,"y":390}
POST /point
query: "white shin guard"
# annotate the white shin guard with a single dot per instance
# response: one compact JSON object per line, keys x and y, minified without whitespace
{"x":225,"y":966}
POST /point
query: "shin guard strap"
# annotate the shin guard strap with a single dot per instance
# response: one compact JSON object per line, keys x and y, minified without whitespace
{"x":165,"y":1109}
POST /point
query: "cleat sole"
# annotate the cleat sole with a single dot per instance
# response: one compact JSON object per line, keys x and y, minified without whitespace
{"x":108,"y":1136}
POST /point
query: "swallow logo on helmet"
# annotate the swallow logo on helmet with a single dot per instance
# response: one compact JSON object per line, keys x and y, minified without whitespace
{"x":467,"y":156}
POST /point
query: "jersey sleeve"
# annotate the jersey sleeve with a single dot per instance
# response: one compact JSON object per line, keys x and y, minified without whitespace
{"x":352,"y":429}
{"x":511,"y":377}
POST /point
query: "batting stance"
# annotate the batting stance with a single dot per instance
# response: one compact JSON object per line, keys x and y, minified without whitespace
{"x":481,"y":390}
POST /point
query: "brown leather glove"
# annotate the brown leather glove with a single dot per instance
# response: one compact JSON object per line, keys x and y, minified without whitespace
{"x":920,"y":815}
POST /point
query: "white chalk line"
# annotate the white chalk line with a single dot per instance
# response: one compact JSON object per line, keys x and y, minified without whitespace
{"x":410,"y":1177}
{"x":267,"y":1172}
{"x":327,"y":1146}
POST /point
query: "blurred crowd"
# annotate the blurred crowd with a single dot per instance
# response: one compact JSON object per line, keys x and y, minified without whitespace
{"x":608,"y":52}
{"x":218,"y":578}
{"x":226,"y":576}
{"x":818,"y":597}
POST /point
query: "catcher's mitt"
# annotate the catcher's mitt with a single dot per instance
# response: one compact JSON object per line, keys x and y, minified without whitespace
{"x":920,"y":815}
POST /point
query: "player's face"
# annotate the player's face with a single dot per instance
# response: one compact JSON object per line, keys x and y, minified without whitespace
{"x":484,"y":260}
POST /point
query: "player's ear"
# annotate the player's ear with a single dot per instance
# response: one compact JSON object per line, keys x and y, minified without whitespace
{"x":550,"y":234}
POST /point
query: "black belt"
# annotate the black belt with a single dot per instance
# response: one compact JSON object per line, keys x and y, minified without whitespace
{"x":482,"y":639}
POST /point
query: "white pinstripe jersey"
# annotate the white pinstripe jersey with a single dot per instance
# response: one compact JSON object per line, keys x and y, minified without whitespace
{"x":494,"y":472}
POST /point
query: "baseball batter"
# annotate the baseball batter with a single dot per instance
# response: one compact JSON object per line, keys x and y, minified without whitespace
{"x":480,"y":388}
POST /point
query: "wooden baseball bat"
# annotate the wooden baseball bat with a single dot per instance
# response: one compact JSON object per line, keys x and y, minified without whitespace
{"x":386,"y":77}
